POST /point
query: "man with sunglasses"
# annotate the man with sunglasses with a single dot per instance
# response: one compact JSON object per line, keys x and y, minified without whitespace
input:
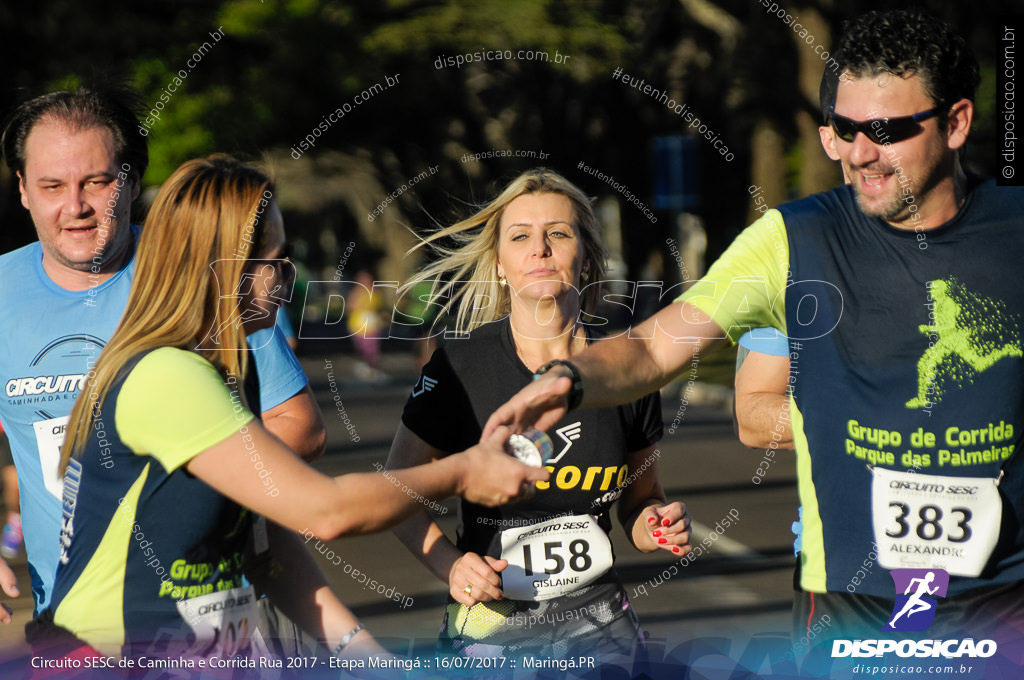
{"x":79,"y":161}
{"x":891,"y":287}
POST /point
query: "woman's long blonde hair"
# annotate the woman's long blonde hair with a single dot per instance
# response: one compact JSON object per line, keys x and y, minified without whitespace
{"x":205,"y":223}
{"x":467,"y":270}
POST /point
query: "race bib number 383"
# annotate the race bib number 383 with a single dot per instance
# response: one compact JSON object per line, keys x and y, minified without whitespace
{"x":935,"y":522}
{"x":550,"y":559}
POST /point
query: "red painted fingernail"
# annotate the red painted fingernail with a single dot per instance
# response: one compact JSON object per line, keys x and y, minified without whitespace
{"x":665,"y":522}
{"x":675,"y":549}
{"x":662,"y":540}
{"x":657,"y":532}
{"x":651,"y":520}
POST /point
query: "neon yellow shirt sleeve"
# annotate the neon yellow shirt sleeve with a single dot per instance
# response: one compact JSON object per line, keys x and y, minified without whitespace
{"x":174,"y":405}
{"x":745,"y":288}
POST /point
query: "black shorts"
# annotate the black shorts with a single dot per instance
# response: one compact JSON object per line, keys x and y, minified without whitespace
{"x":994,"y":612}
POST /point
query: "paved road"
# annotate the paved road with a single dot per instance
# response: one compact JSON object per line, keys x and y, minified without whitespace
{"x":741,"y":588}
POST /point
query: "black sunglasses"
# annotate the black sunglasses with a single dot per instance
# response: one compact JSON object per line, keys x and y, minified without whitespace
{"x":881,"y":130}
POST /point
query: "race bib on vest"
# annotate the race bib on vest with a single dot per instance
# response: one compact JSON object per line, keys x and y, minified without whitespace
{"x":223,"y":622}
{"x":934,"y":522}
{"x":49,"y":439}
{"x":554,"y":558}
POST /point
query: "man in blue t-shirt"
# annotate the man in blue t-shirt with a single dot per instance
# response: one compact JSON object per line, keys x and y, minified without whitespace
{"x":79,"y":160}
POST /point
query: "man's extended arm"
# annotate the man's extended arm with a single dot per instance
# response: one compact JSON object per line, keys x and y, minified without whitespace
{"x":616,"y":370}
{"x":743,"y":289}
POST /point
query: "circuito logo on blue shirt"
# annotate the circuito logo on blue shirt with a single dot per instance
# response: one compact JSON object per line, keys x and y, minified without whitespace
{"x":914,"y":609}
{"x":58,"y":367}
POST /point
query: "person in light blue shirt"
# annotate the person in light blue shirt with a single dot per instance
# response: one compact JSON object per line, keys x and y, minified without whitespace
{"x":79,"y":161}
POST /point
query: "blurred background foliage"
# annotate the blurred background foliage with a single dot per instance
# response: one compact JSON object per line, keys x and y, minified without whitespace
{"x":283,"y":65}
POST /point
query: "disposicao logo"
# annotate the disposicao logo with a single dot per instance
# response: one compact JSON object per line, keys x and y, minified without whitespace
{"x":914,"y":610}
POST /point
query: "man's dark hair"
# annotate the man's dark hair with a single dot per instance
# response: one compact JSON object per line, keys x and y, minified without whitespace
{"x":907,"y":43}
{"x":827,"y":93}
{"x":85,"y":108}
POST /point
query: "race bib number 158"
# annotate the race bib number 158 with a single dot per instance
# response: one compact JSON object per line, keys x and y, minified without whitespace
{"x":550,"y":559}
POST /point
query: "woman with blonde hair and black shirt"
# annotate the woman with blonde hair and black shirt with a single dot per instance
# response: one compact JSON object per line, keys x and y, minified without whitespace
{"x":534,"y":575}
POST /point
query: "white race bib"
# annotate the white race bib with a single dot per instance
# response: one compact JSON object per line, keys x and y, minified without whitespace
{"x":553,"y":558}
{"x":933,"y":522}
{"x":49,"y":439}
{"x":224,"y":621}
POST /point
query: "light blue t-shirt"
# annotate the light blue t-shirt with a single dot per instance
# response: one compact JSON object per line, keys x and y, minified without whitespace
{"x":50,"y":338}
{"x":770,"y":341}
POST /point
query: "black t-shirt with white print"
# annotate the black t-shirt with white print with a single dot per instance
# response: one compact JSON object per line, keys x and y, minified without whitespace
{"x":468,"y":379}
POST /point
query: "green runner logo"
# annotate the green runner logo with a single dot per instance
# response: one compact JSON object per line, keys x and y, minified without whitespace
{"x":967,"y":335}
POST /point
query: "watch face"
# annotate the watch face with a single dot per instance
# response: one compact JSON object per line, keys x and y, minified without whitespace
{"x":532,"y":447}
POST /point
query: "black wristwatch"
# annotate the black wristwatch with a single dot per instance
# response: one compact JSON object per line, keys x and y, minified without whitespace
{"x":576,"y":392}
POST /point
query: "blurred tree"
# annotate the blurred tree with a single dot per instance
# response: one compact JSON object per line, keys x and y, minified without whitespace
{"x":280,"y":67}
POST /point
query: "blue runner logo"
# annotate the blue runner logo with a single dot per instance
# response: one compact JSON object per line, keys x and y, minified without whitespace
{"x":914,"y":610}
